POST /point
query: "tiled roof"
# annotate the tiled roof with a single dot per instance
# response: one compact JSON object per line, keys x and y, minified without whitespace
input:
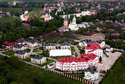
{"x":65,"y":43}
{"x":93,"y":46}
{"x":84,"y":58}
{"x":18,"y":46}
{"x":50,"y":44}
{"x":37,"y":56}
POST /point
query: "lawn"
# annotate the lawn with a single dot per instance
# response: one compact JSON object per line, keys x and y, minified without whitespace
{"x":9,"y":52}
{"x":73,"y":49}
{"x":116,"y":75}
{"x":10,"y":19}
{"x":48,"y":62}
{"x":35,"y":10}
{"x":15,"y":72}
{"x":60,"y":57}
{"x":10,"y":9}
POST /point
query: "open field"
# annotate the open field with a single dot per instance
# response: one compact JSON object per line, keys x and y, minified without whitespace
{"x":15,"y":72}
{"x":35,"y":10}
{"x":10,"y":19}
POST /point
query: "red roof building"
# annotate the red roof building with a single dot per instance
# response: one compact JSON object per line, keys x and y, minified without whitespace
{"x":73,"y":63}
{"x":94,"y":48}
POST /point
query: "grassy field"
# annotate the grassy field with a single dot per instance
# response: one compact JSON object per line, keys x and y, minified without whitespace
{"x":19,"y":10}
{"x":9,"y":52}
{"x":10,"y":19}
{"x":116,"y":75}
{"x":16,"y":72}
{"x":35,"y":10}
{"x":48,"y":62}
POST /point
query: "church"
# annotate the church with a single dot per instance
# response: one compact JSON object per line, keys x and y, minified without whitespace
{"x":73,"y":26}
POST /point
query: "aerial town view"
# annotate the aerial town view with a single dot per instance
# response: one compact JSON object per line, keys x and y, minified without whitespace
{"x":62,"y":41}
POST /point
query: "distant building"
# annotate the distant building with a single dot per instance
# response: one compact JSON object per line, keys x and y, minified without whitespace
{"x":73,"y":26}
{"x":94,"y":48}
{"x":47,"y":17}
{"x":65,"y":23}
{"x":83,"y":13}
{"x":38,"y":59}
{"x":73,"y":64}
{"x":25,"y":16}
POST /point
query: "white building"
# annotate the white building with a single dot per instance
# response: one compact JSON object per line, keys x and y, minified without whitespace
{"x":31,"y":43}
{"x":22,"y":54}
{"x":47,"y":17}
{"x":91,"y":74}
{"x":74,"y":64}
{"x":73,"y":26}
{"x":38,"y":59}
{"x":19,"y":47}
{"x":94,"y":48}
{"x":60,"y":52}
{"x":50,"y":46}
{"x":65,"y":45}
{"x":83,"y":13}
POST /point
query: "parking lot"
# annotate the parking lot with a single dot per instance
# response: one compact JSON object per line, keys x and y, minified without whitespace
{"x":107,"y":63}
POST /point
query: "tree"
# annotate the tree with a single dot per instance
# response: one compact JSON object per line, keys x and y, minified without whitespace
{"x":100,"y":59}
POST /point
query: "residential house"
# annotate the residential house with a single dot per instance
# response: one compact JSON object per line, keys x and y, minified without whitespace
{"x":19,"y":47}
{"x":65,"y":45}
{"x":22,"y":54}
{"x":50,"y":46}
{"x":31,"y":43}
{"x":91,"y":74}
{"x":38,"y":59}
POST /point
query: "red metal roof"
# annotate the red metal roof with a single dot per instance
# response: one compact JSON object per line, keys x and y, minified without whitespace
{"x":84,"y":58}
{"x":93,"y":46}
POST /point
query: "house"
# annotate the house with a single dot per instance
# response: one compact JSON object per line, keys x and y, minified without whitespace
{"x":63,"y":29}
{"x":91,"y":74}
{"x":25,"y":16}
{"x":99,"y":29}
{"x":47,"y":17}
{"x":50,"y":46}
{"x":94,"y":48}
{"x":19,"y":47}
{"x":60,"y":52}
{"x":74,"y":64}
{"x":65,"y":23}
{"x":109,"y":49}
{"x":9,"y":45}
{"x":22,"y":54}
{"x":38,"y":59}
{"x":65,"y":45}
{"x":31,"y":43}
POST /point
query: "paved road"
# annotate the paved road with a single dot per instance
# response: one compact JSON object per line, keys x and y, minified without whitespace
{"x":77,"y":50}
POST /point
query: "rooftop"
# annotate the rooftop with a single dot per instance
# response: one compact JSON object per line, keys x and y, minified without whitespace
{"x":37,"y":56}
{"x":84,"y":58}
{"x":93,"y":46}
